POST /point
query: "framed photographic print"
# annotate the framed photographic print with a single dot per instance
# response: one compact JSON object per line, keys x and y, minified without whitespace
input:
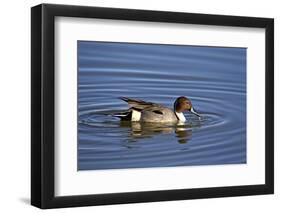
{"x":139,"y":106}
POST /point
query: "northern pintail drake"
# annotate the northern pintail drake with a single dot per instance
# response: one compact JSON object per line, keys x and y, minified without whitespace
{"x":151,"y":112}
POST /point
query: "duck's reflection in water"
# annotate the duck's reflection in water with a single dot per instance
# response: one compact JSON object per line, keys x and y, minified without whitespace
{"x":140,"y":130}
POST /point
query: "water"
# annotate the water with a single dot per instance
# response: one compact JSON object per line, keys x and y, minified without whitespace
{"x":214,"y":78}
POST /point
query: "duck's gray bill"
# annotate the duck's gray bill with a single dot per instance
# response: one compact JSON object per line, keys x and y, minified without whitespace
{"x":194,"y":112}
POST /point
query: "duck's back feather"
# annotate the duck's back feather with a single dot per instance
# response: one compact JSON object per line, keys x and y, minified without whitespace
{"x":140,"y":104}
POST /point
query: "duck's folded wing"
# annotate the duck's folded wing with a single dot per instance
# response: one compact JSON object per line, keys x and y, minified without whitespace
{"x":140,"y":104}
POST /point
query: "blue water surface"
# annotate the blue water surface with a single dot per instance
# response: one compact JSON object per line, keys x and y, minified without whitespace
{"x":214,"y":78}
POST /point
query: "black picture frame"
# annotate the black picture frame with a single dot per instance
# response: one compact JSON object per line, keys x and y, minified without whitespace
{"x":43,"y":102}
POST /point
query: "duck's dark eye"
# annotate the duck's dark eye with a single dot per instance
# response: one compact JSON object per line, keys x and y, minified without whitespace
{"x":158,"y":112}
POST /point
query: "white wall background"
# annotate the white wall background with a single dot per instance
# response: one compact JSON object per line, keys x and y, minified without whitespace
{"x":15,"y":105}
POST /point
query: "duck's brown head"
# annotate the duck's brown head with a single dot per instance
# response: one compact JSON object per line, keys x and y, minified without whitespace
{"x":184,"y":104}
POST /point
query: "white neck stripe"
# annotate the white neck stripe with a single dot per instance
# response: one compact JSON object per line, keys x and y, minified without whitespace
{"x":180,"y":116}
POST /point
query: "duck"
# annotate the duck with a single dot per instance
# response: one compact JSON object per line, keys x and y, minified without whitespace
{"x":143,"y":111}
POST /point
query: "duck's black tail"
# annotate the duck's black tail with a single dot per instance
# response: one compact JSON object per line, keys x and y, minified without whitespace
{"x":123,"y":115}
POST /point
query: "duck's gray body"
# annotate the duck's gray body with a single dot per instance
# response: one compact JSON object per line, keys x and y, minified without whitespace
{"x":148,"y":112}
{"x":159,"y":115}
